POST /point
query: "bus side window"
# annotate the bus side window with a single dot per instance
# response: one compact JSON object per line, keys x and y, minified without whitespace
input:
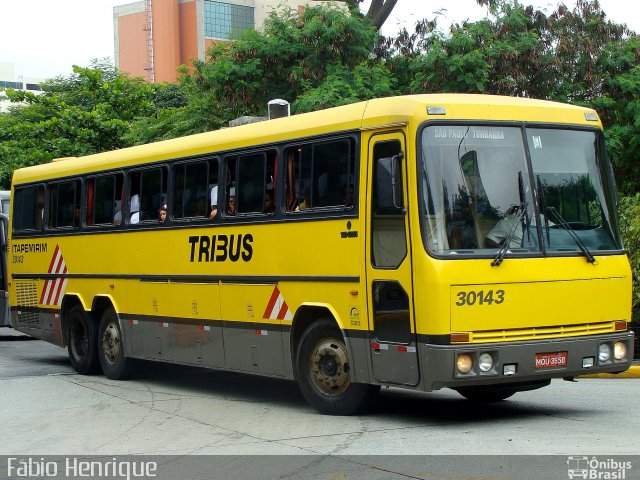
{"x":146,"y":194}
{"x":320,"y":175}
{"x":250,"y":183}
{"x":103,"y":196}
{"x":192,"y":190}
{"x":64,"y":204}
{"x":28,"y":209}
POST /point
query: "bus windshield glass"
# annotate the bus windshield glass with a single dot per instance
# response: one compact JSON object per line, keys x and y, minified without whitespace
{"x":477,"y":192}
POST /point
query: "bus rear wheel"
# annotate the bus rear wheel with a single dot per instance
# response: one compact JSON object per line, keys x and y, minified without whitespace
{"x":323,"y":372}
{"x":82,"y":342}
{"x":111,"y":350}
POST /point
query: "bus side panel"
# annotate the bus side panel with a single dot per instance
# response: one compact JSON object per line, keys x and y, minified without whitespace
{"x":197,"y":329}
{"x":252,"y":342}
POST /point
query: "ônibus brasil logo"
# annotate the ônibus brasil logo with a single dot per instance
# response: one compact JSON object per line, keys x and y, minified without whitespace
{"x":597,"y":469}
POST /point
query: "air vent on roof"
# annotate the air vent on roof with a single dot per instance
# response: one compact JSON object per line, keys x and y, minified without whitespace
{"x":278,"y":108}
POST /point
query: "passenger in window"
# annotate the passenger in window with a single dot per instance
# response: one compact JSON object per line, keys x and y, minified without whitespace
{"x":134,"y":209}
{"x":521,"y":224}
{"x":231,"y":202}
{"x":213,"y":202}
{"x":304,"y":203}
{"x":269,"y":204}
{"x":162,"y":214}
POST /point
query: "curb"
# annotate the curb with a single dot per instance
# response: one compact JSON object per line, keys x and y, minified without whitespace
{"x":633,"y":372}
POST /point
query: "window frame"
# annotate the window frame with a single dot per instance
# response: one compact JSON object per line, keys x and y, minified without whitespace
{"x":85,"y":202}
{"x":353,"y":174}
{"x":78,"y":183}
{"x":129,"y":174}
{"x":15,"y":202}
{"x":171,"y":187}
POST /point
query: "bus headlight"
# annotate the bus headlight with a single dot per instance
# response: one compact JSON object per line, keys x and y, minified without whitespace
{"x":604,"y":352}
{"x":619,"y":351}
{"x":485,"y":362}
{"x":464,"y":363}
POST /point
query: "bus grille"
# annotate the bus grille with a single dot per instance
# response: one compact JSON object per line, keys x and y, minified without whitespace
{"x":541,"y":332}
{"x":27,"y":301}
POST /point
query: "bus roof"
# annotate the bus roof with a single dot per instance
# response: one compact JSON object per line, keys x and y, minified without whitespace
{"x":409,"y":109}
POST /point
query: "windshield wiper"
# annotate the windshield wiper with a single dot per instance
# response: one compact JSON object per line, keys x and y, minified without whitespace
{"x":518,"y":213}
{"x":563,"y":223}
{"x":517,"y":222}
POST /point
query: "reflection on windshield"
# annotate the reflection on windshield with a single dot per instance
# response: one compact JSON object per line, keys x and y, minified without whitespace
{"x":476,"y":190}
{"x":571,"y":180}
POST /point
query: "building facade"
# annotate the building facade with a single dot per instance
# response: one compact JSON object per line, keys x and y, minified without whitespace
{"x":9,"y":79}
{"x":154,"y":37}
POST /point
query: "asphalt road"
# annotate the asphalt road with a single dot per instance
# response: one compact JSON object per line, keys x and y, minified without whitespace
{"x":47,"y":409}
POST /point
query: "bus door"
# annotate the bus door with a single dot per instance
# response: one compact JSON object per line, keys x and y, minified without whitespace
{"x":4,"y":294}
{"x":391,"y":317}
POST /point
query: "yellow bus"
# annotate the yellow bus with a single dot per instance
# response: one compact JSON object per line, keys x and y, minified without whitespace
{"x":423,"y":242}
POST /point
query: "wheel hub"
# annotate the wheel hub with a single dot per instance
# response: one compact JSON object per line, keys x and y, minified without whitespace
{"x":111,"y":343}
{"x":329,"y":367}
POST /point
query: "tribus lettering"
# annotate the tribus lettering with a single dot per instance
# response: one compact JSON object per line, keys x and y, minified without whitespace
{"x":220,"y":248}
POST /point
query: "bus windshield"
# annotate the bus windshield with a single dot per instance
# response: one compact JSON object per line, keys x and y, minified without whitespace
{"x":478,"y":186}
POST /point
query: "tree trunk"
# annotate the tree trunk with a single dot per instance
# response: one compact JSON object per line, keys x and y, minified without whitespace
{"x":379,"y":10}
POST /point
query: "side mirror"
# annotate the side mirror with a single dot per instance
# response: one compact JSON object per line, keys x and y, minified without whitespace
{"x":389,"y":184}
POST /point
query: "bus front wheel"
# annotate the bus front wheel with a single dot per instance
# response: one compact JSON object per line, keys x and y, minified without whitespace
{"x":323,"y":372}
{"x":111,"y":348}
{"x":82,"y":342}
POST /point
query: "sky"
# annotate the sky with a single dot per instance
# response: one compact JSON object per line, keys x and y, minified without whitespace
{"x":45,"y":38}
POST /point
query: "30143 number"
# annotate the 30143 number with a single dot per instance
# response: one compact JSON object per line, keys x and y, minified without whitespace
{"x":480,"y":297}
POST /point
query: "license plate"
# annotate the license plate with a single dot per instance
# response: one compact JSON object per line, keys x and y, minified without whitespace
{"x":551,"y":360}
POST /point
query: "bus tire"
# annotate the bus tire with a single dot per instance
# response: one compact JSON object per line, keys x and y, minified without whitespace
{"x":111,"y":348}
{"x":82,"y":344}
{"x":486,"y":394}
{"x":322,"y":372}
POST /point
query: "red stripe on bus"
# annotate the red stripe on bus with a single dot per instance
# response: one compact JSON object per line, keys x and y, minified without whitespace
{"x":272,"y":302}
{"x":44,"y":290}
{"x":47,"y":284}
{"x":59,"y":265}
{"x":60,"y":287}
{"x":283,"y":311}
{"x":53,"y":259}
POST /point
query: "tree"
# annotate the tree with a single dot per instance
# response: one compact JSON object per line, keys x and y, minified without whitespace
{"x":378,"y":11}
{"x":321,"y":59}
{"x":87,"y":112}
{"x":571,"y":55}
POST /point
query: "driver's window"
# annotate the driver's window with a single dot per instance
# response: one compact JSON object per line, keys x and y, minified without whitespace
{"x":388,"y":236}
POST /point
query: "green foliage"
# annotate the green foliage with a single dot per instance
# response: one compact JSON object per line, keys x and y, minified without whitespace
{"x":319,"y":60}
{"x":629,"y":214}
{"x":574,"y":56}
{"x":343,"y":86}
{"x":87,"y":112}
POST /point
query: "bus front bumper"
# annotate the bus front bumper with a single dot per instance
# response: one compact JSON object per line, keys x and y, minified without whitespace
{"x":525,"y":363}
